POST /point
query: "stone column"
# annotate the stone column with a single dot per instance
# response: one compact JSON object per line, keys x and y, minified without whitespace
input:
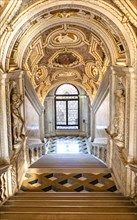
{"x":52,"y":122}
{"x":4,"y":150}
{"x":49,"y":116}
{"x":92,"y":123}
{"x":41,"y":124}
{"x":83,"y":114}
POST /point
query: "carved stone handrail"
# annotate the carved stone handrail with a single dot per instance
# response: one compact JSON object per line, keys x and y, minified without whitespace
{"x":3,"y":169}
{"x":133,"y":167}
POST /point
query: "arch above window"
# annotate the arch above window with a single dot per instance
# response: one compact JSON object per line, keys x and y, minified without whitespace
{"x":67,"y":89}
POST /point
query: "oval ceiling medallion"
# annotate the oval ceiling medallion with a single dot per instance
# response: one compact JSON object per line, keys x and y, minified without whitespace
{"x":65,"y":59}
{"x":69,"y":38}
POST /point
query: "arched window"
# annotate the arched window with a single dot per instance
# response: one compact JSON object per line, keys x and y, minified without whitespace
{"x":67,"y":107}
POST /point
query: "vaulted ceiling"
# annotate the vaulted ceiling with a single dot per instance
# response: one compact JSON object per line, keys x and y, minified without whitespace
{"x":66,"y":41}
{"x":66,"y":53}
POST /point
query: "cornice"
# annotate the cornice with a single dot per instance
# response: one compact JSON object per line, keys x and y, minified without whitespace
{"x":32,"y":95}
{"x":102,"y":91}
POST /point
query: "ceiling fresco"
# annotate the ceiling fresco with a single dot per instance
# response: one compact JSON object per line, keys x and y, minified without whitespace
{"x":67,"y":53}
{"x":70,"y":53}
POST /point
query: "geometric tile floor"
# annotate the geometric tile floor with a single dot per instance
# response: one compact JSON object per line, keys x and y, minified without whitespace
{"x":68,"y":144}
{"x":68,"y":182}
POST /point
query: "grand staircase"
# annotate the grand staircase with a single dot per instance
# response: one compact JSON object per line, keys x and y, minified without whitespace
{"x":68,"y":187}
{"x":68,"y":205}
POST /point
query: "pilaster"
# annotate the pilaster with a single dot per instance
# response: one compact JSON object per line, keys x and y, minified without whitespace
{"x":131,"y":114}
{"x":123,"y":87}
{"x":4,"y":149}
{"x":92,"y":124}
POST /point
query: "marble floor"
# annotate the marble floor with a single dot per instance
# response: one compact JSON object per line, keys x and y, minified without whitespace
{"x":67,"y":166}
{"x":67,"y":145}
{"x":68,"y":182}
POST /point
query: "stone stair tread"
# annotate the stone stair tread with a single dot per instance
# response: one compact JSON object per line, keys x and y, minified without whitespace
{"x":50,"y":203}
{"x":78,"y":209}
{"x":72,"y":216}
{"x":103,"y":198}
{"x":69,"y":194}
{"x":66,"y":213}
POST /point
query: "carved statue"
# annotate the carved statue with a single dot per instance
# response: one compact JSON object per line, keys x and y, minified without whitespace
{"x":120,"y":114}
{"x":17,"y":120}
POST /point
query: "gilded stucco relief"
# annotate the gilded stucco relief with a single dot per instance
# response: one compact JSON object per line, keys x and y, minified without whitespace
{"x":69,"y":46}
{"x":69,"y":53}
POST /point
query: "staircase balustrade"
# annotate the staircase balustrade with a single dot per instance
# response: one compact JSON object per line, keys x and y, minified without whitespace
{"x":4,"y":188}
{"x":99,"y":150}
{"x":36,"y":151}
{"x":11,"y":175}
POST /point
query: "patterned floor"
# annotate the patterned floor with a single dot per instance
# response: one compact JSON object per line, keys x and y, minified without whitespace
{"x":69,"y":144}
{"x":69,"y":182}
{"x":68,"y":152}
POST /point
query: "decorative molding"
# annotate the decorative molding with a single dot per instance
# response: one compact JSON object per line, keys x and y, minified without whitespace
{"x":8,"y":14}
{"x":102,"y":91}
{"x":32,"y":96}
{"x":128,"y":9}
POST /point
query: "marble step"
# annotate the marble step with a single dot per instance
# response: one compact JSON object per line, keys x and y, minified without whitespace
{"x":44,"y":209}
{"x":68,"y":194}
{"x":93,"y":198}
{"x":68,"y":216}
{"x":64,"y":203}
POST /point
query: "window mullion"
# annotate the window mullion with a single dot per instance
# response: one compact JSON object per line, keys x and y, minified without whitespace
{"x":67,"y":112}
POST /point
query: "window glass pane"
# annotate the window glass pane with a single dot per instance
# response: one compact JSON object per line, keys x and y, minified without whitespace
{"x":66,"y":89}
{"x":66,"y":97}
{"x":61,"y":112}
{"x":66,"y":127}
{"x":73,"y":112}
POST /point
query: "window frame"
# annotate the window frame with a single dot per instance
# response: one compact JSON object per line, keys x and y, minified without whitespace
{"x":67,"y":100}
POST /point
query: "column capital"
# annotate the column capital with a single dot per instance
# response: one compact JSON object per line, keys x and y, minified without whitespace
{"x":4,"y":76}
{"x":120,"y":70}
